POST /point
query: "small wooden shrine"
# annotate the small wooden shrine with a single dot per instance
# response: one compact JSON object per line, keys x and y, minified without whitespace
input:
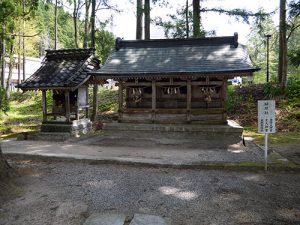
{"x":175,"y":81}
{"x":64,"y":74}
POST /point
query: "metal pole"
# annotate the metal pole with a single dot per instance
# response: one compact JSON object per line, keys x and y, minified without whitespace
{"x":268,"y":36}
{"x":266,"y":152}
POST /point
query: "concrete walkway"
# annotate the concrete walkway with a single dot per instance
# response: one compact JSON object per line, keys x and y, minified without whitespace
{"x":139,"y":153}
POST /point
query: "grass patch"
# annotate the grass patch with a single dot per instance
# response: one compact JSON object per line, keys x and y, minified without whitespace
{"x":25,"y":114}
{"x":276,"y":138}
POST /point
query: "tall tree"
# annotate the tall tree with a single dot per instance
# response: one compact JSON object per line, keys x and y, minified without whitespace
{"x":139,"y":19}
{"x":86,"y":23}
{"x":147,"y":19}
{"x":24,"y":42}
{"x":93,"y":45}
{"x":55,"y":24}
{"x":10,"y":67}
{"x":187,"y":19}
{"x":196,"y":18}
{"x":75,"y":15}
{"x":176,"y":25}
{"x":282,"y":60}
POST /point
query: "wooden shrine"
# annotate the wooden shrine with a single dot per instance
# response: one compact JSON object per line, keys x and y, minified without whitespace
{"x":175,"y":81}
{"x":174,"y":91}
{"x":64,"y":76}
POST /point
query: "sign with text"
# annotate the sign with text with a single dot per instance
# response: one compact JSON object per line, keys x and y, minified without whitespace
{"x":266,"y":116}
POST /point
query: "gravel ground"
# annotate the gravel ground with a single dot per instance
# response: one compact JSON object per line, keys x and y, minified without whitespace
{"x":67,"y":192}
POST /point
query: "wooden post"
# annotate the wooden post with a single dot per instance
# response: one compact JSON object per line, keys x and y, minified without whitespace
{"x":67,"y":105}
{"x":153,"y":99}
{"x":120,"y":99}
{"x":44,"y":105}
{"x":224,"y":99}
{"x":87,"y":103}
{"x":188,"y":100}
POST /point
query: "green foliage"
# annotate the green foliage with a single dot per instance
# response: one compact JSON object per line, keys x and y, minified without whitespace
{"x":175,"y":26}
{"x":108,"y":100}
{"x":239,"y":100}
{"x":4,"y":105}
{"x":105,"y":42}
{"x":257,"y":47}
{"x":24,"y":115}
{"x":272,"y":90}
{"x":293,"y":88}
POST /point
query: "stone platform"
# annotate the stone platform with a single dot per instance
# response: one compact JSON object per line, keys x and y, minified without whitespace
{"x":59,"y":130}
{"x":187,"y":135}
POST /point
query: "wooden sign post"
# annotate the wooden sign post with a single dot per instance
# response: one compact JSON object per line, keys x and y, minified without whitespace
{"x":266,"y":122}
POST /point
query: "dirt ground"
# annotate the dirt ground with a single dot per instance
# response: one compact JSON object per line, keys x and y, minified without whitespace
{"x":63,"y":193}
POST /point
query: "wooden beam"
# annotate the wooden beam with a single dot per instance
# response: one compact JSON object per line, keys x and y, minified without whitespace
{"x":153,"y":99}
{"x":120,"y":99}
{"x":67,"y":105}
{"x":44,"y":105}
{"x":188,"y":99}
{"x":87,"y":102}
{"x":153,"y":95}
{"x":224,"y":99}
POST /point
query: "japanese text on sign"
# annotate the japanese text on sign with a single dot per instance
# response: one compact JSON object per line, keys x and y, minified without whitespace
{"x":266,"y":116}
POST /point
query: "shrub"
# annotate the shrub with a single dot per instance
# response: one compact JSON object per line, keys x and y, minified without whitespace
{"x":293,"y":87}
{"x":4,"y":105}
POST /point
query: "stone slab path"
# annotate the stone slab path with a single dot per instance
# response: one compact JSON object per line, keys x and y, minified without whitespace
{"x":122,"y":219}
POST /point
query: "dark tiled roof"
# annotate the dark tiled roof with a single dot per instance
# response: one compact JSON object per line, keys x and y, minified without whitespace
{"x":215,"y":55}
{"x":64,"y":68}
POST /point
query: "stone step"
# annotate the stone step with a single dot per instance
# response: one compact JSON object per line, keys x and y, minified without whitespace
{"x":123,"y":219}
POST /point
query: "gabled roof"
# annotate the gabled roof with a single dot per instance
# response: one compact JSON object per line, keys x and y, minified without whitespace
{"x":63,"y":69}
{"x":199,"y":56}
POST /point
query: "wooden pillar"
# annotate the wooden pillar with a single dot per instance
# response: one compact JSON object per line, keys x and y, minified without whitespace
{"x":67,"y":105}
{"x":188,"y":100}
{"x":120,"y":99}
{"x":153,"y":99}
{"x":87,"y":103}
{"x":44,"y":105}
{"x":224,"y":100}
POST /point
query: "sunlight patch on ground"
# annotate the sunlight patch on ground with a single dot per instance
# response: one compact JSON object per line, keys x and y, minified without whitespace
{"x":178,"y":193}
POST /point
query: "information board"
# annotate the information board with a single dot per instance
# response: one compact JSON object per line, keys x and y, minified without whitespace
{"x":266,"y":116}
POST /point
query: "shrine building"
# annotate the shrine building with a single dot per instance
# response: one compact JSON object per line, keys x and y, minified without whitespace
{"x":64,"y":77}
{"x":174,"y":91}
{"x":175,"y":81}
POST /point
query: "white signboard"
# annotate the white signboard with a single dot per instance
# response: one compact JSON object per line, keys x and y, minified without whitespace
{"x":266,"y":116}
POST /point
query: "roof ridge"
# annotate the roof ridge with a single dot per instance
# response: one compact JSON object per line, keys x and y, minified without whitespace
{"x":231,"y":40}
{"x":70,"y":52}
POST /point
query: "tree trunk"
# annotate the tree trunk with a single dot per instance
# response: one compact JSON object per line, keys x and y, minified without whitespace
{"x":55,"y":25}
{"x":93,"y":18}
{"x":147,"y":19}
{"x":282,"y":61}
{"x":2,"y":58}
{"x":19,"y":52}
{"x":24,"y":43}
{"x":139,"y":19}
{"x":10,"y":69}
{"x":95,"y":88}
{"x":187,"y":18}
{"x":75,"y":13}
{"x":86,"y":23}
{"x":196,"y":18}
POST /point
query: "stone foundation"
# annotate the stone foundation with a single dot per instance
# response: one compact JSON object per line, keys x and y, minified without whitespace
{"x":188,"y":135}
{"x":59,"y":131}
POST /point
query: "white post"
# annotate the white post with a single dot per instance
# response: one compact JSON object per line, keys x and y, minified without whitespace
{"x":266,"y":152}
